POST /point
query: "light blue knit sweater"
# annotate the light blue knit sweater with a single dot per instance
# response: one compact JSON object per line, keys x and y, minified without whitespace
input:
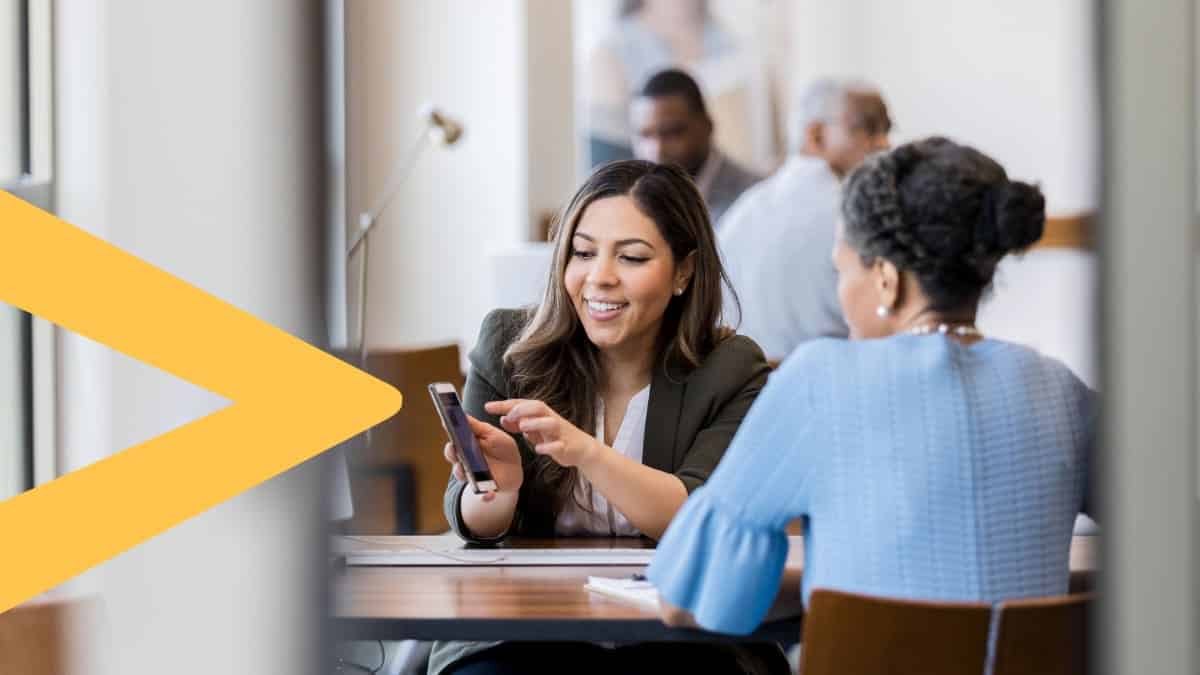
{"x":924,"y":469}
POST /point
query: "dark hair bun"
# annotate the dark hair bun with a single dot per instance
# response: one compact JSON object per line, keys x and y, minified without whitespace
{"x":1017,"y":218}
{"x":944,"y":211}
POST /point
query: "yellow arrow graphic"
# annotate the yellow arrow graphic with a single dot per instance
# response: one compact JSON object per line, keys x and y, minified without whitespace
{"x":290,"y":401}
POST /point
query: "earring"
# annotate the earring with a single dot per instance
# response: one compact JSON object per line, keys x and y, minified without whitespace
{"x":882,"y":312}
{"x":678,"y":291}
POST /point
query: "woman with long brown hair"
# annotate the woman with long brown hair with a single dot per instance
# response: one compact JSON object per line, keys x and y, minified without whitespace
{"x":603,"y":407}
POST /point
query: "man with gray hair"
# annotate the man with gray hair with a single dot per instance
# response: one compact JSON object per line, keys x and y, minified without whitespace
{"x":776,"y":239}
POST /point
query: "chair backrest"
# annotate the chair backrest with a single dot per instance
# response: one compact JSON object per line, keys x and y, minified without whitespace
{"x":1043,"y":636}
{"x":33,"y":638}
{"x":850,"y":634}
{"x":398,"y":481}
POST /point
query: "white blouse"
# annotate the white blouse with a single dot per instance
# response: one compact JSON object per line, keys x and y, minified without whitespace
{"x":601,"y":518}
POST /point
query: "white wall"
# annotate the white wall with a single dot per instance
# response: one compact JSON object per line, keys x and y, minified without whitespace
{"x":428,"y":271}
{"x":550,"y":105}
{"x":190,"y":135}
{"x":1014,"y":79}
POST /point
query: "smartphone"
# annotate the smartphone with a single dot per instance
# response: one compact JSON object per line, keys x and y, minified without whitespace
{"x":454,"y":421}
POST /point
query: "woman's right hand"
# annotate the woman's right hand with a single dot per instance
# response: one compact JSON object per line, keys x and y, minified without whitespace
{"x":501,"y":453}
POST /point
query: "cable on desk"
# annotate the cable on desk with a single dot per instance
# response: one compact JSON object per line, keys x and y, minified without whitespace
{"x":442,"y":554}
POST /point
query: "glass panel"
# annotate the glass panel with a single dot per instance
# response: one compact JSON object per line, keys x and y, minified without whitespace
{"x":12,"y":69}
{"x":14,"y":413}
{"x":15,"y":450}
{"x":41,"y":83}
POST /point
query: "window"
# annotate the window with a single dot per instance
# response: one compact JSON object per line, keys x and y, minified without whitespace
{"x":25,"y":171}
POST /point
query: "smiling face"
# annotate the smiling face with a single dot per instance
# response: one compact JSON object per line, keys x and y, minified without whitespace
{"x":621,"y":275}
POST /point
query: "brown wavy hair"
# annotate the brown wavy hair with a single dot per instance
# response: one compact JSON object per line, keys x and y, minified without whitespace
{"x":552,"y":360}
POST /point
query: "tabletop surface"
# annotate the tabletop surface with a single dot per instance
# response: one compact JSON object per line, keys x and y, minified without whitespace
{"x":495,"y":602}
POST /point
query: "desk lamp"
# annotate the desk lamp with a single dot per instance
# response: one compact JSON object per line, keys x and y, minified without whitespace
{"x":436,"y":128}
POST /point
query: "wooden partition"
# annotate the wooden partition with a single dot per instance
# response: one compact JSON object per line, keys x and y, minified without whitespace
{"x":1069,"y":231}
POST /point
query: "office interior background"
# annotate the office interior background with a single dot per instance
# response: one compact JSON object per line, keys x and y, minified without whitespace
{"x":234,"y":143}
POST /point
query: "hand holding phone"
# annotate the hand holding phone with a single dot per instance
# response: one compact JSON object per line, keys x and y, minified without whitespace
{"x":466,"y":446}
{"x":503,"y":458}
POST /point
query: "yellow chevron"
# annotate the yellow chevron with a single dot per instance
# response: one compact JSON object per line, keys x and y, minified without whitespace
{"x":290,"y":401}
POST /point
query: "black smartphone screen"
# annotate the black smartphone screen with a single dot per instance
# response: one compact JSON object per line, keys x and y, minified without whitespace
{"x":456,"y":419}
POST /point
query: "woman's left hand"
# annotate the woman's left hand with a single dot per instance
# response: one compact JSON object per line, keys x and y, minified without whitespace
{"x":546,"y":431}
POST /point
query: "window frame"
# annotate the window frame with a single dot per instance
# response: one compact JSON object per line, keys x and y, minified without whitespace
{"x":36,"y":341}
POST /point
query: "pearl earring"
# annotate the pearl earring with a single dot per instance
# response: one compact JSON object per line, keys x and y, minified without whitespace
{"x":678,"y":291}
{"x":882,"y":312}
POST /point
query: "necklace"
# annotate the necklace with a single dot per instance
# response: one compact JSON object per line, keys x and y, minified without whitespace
{"x":961,"y":330}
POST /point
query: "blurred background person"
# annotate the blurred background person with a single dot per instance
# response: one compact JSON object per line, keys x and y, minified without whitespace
{"x":775,"y":240}
{"x":671,"y":125}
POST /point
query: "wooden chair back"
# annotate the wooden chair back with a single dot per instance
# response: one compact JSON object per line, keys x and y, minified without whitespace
{"x":34,"y":638}
{"x":850,"y":634}
{"x":1043,"y":636}
{"x":397,"y":482}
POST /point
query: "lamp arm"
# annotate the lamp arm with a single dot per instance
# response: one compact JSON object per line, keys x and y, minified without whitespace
{"x":366,"y":221}
{"x":362,"y":306}
{"x":400,"y":172}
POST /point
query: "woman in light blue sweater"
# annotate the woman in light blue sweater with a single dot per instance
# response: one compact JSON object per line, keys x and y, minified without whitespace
{"x":926,"y":460}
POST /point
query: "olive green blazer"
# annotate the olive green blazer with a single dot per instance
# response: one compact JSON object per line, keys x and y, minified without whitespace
{"x":690,"y":420}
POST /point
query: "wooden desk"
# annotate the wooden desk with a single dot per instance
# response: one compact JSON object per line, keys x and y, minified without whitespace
{"x":532,"y":603}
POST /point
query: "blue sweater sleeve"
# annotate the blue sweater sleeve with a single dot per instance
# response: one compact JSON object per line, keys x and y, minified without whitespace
{"x":723,"y":555}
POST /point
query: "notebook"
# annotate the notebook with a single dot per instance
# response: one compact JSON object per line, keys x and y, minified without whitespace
{"x":633,"y":591}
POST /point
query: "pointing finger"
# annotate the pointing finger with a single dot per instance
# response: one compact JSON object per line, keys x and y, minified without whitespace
{"x":501,"y":407}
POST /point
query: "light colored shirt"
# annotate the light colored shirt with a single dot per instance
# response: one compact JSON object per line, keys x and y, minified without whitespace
{"x":922,"y":468}
{"x":776,"y":243}
{"x":600,"y":517}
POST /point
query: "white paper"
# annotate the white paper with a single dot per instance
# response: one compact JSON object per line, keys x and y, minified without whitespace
{"x":637,"y":592}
